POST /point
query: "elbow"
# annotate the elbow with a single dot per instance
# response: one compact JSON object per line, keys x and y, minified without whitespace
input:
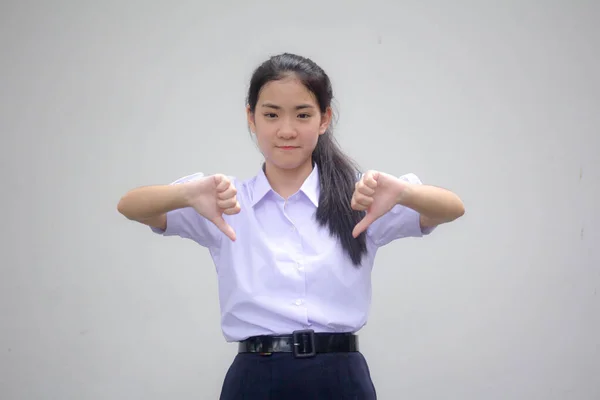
{"x":122,"y":207}
{"x":460,"y":209}
{"x":455,"y":209}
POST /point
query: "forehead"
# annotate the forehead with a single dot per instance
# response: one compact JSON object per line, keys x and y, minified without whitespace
{"x":286,"y":91}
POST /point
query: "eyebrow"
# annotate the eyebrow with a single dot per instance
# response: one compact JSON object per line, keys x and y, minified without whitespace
{"x":276,"y":107}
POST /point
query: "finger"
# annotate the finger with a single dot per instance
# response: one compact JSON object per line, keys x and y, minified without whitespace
{"x":360,"y":202}
{"x":363,"y":200}
{"x":370,"y":179}
{"x":228,"y":193}
{"x":362,"y":187}
{"x":362,"y":225}
{"x":355,"y":205}
{"x":233,"y":210}
{"x":222,"y":183}
{"x":224,"y":227}
{"x":218,"y":178}
{"x":228,"y":203}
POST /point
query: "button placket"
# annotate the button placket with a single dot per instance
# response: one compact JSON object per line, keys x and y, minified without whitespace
{"x":296,"y":256}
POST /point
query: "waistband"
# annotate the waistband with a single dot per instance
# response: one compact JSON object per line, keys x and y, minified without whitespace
{"x":301,"y":343}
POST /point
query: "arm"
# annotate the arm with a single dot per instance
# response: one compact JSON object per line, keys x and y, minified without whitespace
{"x":401,"y":207}
{"x":435,"y":205}
{"x":150,"y":204}
{"x":192,"y":207}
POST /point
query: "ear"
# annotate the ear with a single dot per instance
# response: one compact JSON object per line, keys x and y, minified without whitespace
{"x":250,"y":117}
{"x":325,"y":121}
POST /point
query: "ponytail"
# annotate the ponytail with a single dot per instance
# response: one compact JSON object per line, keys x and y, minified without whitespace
{"x":338,"y":175}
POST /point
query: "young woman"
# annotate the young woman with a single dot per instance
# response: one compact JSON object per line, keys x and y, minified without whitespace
{"x":294,"y":245}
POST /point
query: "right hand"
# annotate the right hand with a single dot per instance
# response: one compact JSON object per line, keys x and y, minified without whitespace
{"x":212,"y":197}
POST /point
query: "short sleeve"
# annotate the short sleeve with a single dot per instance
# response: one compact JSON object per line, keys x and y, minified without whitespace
{"x":188,"y":224}
{"x":399,"y":222}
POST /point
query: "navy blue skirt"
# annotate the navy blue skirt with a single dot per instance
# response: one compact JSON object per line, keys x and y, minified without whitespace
{"x":280,"y":376}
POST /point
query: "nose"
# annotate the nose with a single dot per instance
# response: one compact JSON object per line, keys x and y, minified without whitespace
{"x":286,"y":130}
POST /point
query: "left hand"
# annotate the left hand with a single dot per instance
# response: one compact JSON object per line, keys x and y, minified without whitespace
{"x":377,"y":193}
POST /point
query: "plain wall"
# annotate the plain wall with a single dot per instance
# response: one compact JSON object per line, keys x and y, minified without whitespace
{"x":498,"y":102}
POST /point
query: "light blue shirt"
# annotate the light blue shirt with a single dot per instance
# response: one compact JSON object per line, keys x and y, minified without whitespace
{"x":284,"y":272}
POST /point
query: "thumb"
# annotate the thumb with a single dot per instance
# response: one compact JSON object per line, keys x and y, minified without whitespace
{"x":224,"y":227}
{"x":363,"y":224}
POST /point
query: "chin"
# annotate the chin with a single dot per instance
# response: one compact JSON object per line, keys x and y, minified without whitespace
{"x":287,"y":164}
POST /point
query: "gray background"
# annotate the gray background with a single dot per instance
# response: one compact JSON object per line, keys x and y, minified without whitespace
{"x":496,"y":101}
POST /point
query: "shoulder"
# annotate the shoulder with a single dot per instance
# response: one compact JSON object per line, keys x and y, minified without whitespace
{"x":188,"y":178}
{"x":200,"y":175}
{"x":409,"y":177}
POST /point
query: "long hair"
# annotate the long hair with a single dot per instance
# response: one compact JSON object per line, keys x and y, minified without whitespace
{"x":337,"y":172}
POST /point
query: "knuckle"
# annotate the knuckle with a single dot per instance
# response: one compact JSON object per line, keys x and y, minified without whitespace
{"x":234,"y":209}
{"x":366,"y":201}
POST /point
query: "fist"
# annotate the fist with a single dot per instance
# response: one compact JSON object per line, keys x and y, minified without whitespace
{"x":212,"y":197}
{"x":226,"y":195}
{"x":376,"y":193}
{"x":364,"y":190}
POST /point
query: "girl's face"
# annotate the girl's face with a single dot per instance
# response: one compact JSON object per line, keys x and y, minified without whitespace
{"x":287,"y":123}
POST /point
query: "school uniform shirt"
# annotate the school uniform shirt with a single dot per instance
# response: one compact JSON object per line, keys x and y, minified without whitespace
{"x":284,"y":272}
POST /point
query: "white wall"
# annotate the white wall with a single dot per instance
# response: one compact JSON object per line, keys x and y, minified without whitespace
{"x":499,"y":103}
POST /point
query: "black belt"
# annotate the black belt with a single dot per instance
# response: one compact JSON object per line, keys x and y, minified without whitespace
{"x":303,"y":343}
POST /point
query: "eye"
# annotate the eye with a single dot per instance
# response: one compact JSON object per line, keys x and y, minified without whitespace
{"x":304,"y":116}
{"x":270,"y":115}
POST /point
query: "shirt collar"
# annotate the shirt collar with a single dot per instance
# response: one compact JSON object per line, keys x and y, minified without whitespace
{"x":310,"y":187}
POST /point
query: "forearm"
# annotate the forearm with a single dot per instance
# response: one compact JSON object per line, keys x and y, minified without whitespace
{"x":432,"y":202}
{"x":151,"y":201}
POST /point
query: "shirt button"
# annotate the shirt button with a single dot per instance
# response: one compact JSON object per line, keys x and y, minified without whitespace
{"x":299,"y":266}
{"x":299,"y":302}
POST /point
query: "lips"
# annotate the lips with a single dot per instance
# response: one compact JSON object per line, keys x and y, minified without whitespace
{"x":287,"y":147}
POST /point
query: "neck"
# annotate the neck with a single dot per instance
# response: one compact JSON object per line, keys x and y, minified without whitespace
{"x":286,"y":182}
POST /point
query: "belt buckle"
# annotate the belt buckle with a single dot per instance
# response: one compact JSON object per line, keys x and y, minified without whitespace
{"x":304,"y":343}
